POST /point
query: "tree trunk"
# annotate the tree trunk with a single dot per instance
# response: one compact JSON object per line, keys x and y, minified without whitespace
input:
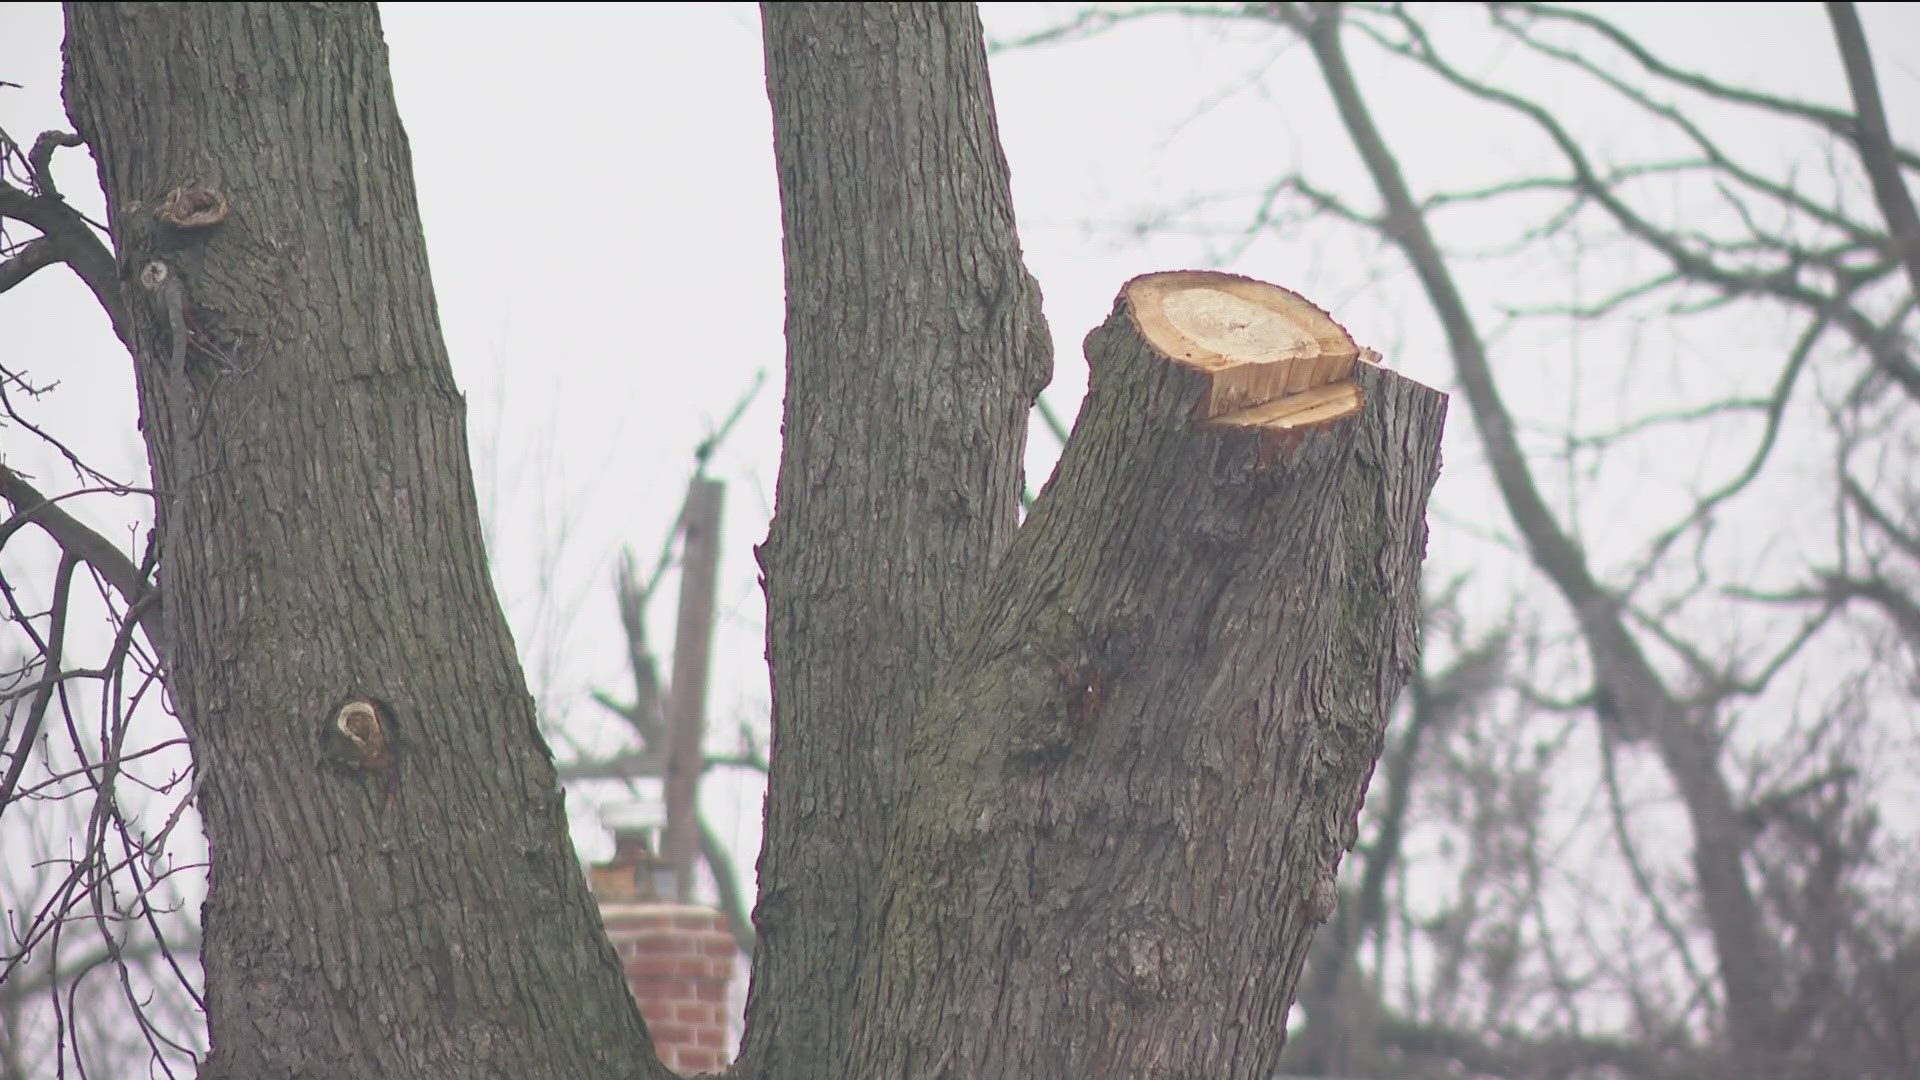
{"x":1139,"y":771}
{"x":1061,"y":803}
{"x":409,"y":912}
{"x":915,"y":349}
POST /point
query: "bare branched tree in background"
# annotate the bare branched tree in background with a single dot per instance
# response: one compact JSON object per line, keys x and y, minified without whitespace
{"x":1722,"y":679}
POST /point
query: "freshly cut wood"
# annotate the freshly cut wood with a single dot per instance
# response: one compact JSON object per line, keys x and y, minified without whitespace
{"x":1131,"y":789}
{"x":1271,"y":357}
{"x":1320,"y":405}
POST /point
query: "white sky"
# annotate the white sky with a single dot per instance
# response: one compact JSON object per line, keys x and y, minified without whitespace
{"x":598,"y":190}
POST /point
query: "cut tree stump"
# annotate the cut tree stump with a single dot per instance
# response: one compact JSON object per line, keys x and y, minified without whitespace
{"x":1272,"y":359}
{"x":1142,"y":763}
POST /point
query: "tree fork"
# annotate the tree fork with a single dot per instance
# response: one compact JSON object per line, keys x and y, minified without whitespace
{"x":1140,"y":768}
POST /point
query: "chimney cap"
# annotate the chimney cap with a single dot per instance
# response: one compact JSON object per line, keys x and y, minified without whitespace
{"x":631,"y":817}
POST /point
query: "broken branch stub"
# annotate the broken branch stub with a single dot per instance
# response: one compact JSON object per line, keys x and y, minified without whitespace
{"x":1272,"y":360}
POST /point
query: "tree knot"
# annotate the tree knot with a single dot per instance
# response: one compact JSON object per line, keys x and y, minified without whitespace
{"x":191,"y":206}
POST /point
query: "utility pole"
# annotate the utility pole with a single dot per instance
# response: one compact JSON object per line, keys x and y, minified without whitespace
{"x":687,"y":698}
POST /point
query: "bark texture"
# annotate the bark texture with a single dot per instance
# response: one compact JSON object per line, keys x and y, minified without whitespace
{"x":915,"y":349}
{"x":1139,"y":771}
{"x":319,"y":540}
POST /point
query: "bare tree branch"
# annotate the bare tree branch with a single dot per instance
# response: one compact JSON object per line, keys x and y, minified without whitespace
{"x":1875,"y":142}
{"x":24,"y":984}
{"x":76,"y":243}
{"x":1831,"y":120}
{"x":1883,"y":346}
{"x":106,"y":559}
{"x":33,"y":256}
{"x":50,"y":651}
{"x":1714,"y":157}
{"x":1857,"y":496}
{"x":1898,"y":605}
{"x":40,"y":160}
{"x":1642,"y":879}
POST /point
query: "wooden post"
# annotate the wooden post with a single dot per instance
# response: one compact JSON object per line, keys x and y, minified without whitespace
{"x":686,"y":701}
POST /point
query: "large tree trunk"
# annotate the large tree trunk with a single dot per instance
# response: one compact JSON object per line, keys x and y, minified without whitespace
{"x":319,"y":542}
{"x":1138,"y":773}
{"x":915,"y":349}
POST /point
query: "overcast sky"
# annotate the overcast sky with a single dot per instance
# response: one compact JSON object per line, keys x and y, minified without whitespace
{"x":598,"y":190}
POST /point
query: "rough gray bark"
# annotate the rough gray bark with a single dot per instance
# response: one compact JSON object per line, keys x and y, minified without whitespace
{"x":1141,"y":767}
{"x":915,"y":348}
{"x":319,"y":539}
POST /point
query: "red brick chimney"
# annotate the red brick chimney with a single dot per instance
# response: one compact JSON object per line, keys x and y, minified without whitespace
{"x":679,"y":960}
{"x":678,"y":957}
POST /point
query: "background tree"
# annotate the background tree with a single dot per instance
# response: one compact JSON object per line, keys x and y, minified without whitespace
{"x":414,"y":908}
{"x":1712,"y":631}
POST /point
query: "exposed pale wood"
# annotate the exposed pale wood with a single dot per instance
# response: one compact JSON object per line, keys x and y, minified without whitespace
{"x":1297,"y":410}
{"x":1256,"y":343}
